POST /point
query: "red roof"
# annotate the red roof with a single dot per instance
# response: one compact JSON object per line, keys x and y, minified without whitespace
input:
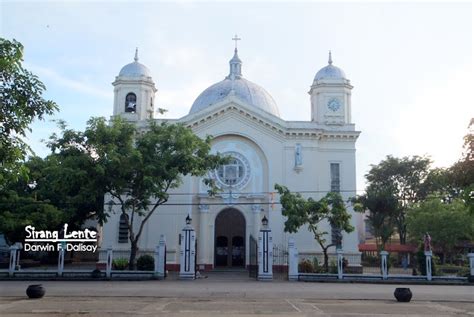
{"x":388,"y":247}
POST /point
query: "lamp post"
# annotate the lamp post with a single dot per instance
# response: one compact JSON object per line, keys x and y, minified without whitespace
{"x":265,"y":252}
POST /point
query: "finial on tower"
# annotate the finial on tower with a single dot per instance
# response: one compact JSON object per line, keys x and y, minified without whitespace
{"x":236,"y":38}
{"x":330,"y":58}
{"x":136,"y":55}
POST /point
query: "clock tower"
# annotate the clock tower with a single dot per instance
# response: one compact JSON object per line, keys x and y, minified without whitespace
{"x":331,"y":96}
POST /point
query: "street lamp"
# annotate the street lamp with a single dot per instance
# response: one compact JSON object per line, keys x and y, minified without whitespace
{"x":264,"y":221}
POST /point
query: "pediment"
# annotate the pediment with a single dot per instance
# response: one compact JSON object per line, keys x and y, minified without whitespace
{"x":258,"y":118}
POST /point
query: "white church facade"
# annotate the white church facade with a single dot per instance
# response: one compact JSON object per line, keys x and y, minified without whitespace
{"x":312,"y":157}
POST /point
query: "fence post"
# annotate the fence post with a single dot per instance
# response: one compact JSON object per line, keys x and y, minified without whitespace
{"x":384,"y":264}
{"x":160,"y":258}
{"x":292,"y":260}
{"x":265,"y":252}
{"x":13,"y":257}
{"x":108,"y":269}
{"x":61,"y":262}
{"x":471,"y":265}
{"x":187,"y":265}
{"x":340,"y":263}
{"x":428,"y":255}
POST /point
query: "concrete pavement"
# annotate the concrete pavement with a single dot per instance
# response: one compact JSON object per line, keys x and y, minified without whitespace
{"x":230,"y":296}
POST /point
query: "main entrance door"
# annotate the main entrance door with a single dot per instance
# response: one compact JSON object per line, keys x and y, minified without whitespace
{"x":229,"y":242}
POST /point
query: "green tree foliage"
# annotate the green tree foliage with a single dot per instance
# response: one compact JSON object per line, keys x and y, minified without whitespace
{"x":67,"y":183}
{"x":447,"y":223}
{"x":138,"y":168}
{"x":21,"y":102}
{"x":18,"y":212}
{"x":300,"y":211}
{"x":456,"y":181}
{"x":408,"y":178}
{"x":461,"y":174}
{"x":383,"y":208}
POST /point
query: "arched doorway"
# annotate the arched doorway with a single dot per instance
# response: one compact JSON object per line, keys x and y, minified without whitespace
{"x":229,"y":239}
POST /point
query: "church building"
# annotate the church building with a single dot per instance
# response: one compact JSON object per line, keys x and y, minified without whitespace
{"x":312,"y":157}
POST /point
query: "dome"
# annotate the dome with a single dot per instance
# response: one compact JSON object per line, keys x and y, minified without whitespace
{"x":135,"y":69}
{"x":236,"y":85}
{"x":330,"y":72}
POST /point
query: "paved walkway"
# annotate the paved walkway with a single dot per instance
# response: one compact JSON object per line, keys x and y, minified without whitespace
{"x":219,"y":295}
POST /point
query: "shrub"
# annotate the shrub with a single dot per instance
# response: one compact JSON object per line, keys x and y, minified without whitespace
{"x":316,"y":267}
{"x":120,"y":264}
{"x":146,"y":263}
{"x":370,"y":260}
{"x":96,"y":273}
{"x":345,"y":263}
{"x":333,"y":267}
{"x":421,"y":260}
{"x":465,"y":271}
{"x":305,"y":266}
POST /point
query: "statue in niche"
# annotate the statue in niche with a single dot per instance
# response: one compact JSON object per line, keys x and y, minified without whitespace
{"x":298,"y":155}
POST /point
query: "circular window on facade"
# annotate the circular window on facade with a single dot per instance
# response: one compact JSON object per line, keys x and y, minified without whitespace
{"x":234,"y":174}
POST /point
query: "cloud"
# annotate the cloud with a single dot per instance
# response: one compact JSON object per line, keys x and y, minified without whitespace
{"x":76,"y":85}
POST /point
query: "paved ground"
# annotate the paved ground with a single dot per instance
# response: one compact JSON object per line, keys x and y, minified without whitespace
{"x":231,"y":296}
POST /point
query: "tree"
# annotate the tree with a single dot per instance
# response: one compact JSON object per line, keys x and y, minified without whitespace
{"x":408,"y":178}
{"x":383,"y":209}
{"x":300,"y":211}
{"x":17,"y":212}
{"x":21,"y":101}
{"x":138,"y":168}
{"x":67,"y":188}
{"x":447,"y":223}
{"x":461,"y":174}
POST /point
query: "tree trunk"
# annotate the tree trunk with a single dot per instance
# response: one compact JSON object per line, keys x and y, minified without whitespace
{"x":133,"y":255}
{"x":326,"y":260}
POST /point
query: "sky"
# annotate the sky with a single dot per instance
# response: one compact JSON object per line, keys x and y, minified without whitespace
{"x":410,"y":63}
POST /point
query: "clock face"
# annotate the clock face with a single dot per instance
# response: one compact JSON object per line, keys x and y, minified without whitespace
{"x":334,"y":104}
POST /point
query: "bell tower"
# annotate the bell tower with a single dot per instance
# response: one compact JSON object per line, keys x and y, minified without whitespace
{"x":331,"y":96}
{"x":134,"y":92}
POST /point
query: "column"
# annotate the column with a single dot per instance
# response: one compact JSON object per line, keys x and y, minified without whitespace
{"x":203,"y":247}
{"x":61,"y":261}
{"x":265,"y":252}
{"x":160,"y":258}
{"x":383,"y":255}
{"x":13,"y":257}
{"x":292,"y":260}
{"x":187,"y":269}
{"x":108,"y":268}
{"x":471,"y":265}
{"x":428,"y":255}
{"x":340,"y":263}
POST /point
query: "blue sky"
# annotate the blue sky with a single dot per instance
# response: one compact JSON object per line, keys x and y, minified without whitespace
{"x":410,"y":63}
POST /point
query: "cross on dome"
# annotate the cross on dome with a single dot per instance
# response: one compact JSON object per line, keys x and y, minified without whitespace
{"x":330,"y":58}
{"x":136,"y":55}
{"x":236,"y":38}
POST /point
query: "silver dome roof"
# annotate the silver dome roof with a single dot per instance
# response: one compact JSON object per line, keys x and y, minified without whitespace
{"x":330,"y":72}
{"x":236,"y":85}
{"x":135,"y":69}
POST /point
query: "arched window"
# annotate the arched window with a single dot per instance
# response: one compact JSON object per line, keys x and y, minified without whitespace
{"x":131,"y":102}
{"x":123,"y":229}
